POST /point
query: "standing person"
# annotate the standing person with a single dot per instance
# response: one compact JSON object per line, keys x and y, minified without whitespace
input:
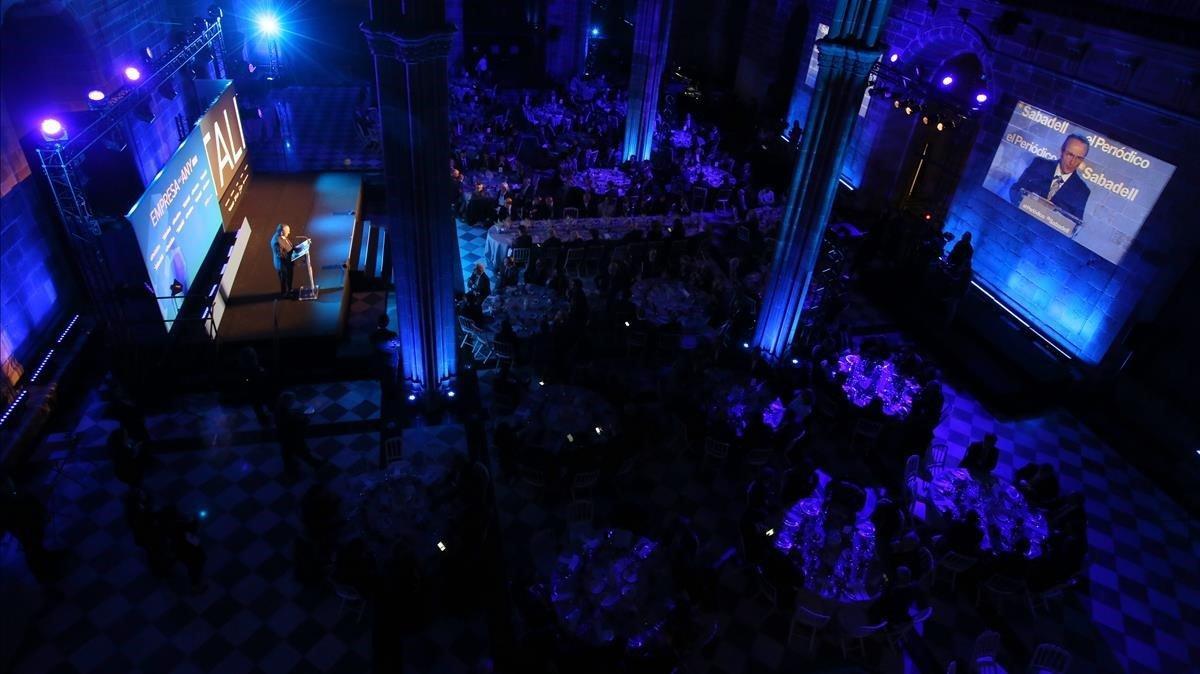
{"x":290,"y":426}
{"x":255,"y":382}
{"x":281,"y":253}
{"x":26,"y":518}
{"x":182,"y":534}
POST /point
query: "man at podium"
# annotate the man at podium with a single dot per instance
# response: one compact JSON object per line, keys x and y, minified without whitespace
{"x":1055,"y":181}
{"x":281,"y":252}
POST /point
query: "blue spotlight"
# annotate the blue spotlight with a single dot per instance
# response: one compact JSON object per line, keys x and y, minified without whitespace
{"x":595,"y":32}
{"x":268,"y":24}
{"x":947,"y":80}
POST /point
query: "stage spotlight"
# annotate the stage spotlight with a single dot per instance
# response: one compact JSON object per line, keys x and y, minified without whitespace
{"x":595,"y":32}
{"x":908,"y":108}
{"x":896,"y":104}
{"x":53,"y":130}
{"x":928,"y":215}
{"x":133,"y":74}
{"x":95,"y":95}
{"x":947,"y":80}
{"x":981,"y":97}
{"x":925,"y":120}
{"x":268,"y":25}
{"x":940,"y":126}
{"x":894,"y":57}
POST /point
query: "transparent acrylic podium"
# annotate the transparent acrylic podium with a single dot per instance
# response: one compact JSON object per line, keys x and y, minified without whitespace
{"x":304,"y":250}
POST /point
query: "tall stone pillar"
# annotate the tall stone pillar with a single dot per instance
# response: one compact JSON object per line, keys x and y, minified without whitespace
{"x":566,"y":51}
{"x":454,"y":15}
{"x":410,"y":42}
{"x":845,"y":60}
{"x":651,"y":36}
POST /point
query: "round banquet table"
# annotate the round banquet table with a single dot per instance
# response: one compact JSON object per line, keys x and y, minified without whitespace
{"x":602,"y":180}
{"x":1000,"y":505}
{"x":610,"y":588}
{"x":401,"y":505}
{"x":708,"y":176}
{"x":741,"y":403}
{"x":665,"y":300}
{"x":526,"y":306}
{"x":867,"y":378}
{"x":500,"y":237}
{"x":838,"y":565}
{"x":561,"y":418}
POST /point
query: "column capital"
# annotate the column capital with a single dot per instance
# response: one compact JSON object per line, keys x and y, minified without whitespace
{"x":850,"y":57}
{"x":422,"y":48}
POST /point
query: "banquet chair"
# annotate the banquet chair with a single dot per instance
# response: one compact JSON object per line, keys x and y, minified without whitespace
{"x":953,"y":564}
{"x":471,"y":333}
{"x":724,"y":196}
{"x":393,"y":450}
{"x":503,"y":352}
{"x":521,"y":255}
{"x":571,"y":213}
{"x":937,"y":459}
{"x":896,"y":634}
{"x":532,"y":480}
{"x":584,"y":484}
{"x":581,"y":512}
{"x":715,"y":451}
{"x":807,"y":623}
{"x":574,"y":263}
{"x":593,"y":260}
{"x":855,"y":638}
{"x":765,"y":588}
{"x":983,"y":654}
{"x":699,"y":198}
{"x":350,"y":599}
{"x":1001,"y":587}
{"x":1049,"y":659}
{"x":866,"y":435}
{"x":758,"y":457}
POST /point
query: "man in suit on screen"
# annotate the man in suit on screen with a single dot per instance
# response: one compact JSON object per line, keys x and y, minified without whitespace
{"x":1056,"y":181}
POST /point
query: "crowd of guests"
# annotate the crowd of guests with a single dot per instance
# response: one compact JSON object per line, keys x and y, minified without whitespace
{"x":520,"y":155}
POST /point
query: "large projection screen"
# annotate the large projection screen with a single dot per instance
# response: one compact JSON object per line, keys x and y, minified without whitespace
{"x":175,"y":221}
{"x":1081,"y":183}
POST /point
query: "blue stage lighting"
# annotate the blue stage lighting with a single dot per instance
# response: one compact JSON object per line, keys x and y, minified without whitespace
{"x":268,"y":24}
{"x":595,"y":32}
{"x":947,"y":80}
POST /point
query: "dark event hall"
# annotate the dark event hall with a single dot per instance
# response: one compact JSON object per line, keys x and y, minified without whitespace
{"x":599,"y":336}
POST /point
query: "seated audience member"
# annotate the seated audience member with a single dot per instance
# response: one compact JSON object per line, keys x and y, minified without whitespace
{"x":552,"y":240}
{"x":963,"y":536}
{"x":479,"y":286}
{"x":655,"y":233}
{"x":677,"y":229}
{"x":557,"y":282}
{"x":901,"y":599}
{"x":510,"y":275}
{"x":523,"y":240}
{"x":982,"y":456}
{"x":539,"y":273}
{"x":1039,"y":483}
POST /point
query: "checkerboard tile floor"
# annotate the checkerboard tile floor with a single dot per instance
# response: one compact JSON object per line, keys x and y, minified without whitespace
{"x":109,"y":614}
{"x":1140,"y":612}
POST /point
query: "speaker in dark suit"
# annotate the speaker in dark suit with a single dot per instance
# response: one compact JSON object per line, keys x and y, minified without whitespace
{"x":1057,"y":181}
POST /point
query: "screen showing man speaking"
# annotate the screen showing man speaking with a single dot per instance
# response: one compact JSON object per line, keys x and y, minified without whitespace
{"x":1083,"y":184}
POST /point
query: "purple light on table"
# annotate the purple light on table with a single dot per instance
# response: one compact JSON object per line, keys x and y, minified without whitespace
{"x":772,"y":416}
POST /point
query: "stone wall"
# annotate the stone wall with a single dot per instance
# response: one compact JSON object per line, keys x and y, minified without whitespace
{"x":1138,"y":90}
{"x":61,"y":50}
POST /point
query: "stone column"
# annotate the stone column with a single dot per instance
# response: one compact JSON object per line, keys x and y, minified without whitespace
{"x":410,"y":42}
{"x":651,"y":36}
{"x":845,"y":60}
{"x":566,"y":52}
{"x":454,"y":15}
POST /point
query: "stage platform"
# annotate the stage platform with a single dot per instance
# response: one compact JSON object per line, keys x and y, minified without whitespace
{"x":325,"y":207}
